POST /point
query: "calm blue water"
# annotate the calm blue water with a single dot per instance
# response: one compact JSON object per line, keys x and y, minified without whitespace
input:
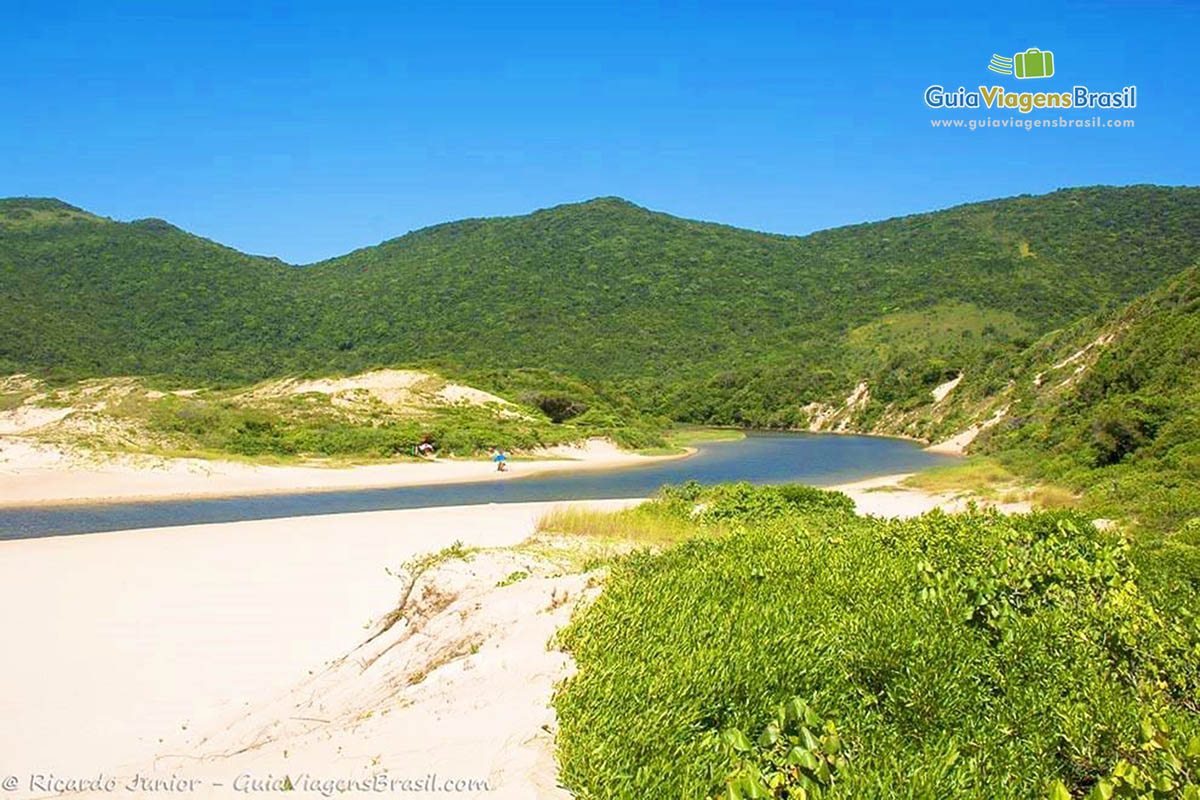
{"x":818,"y":459}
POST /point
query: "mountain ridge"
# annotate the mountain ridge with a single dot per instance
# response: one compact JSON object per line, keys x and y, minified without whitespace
{"x":702,"y":321}
{"x":55,"y":203}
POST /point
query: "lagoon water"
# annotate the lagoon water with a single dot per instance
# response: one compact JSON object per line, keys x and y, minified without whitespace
{"x":817,"y":459}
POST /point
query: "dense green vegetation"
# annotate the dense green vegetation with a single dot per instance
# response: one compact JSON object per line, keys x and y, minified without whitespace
{"x":598,"y":409}
{"x":695,"y":321}
{"x":376,"y":416}
{"x":1128,"y":430}
{"x":807,"y":652}
{"x":310,"y":426}
{"x":730,"y":325}
{"x":84,"y":296}
{"x":1108,"y":407}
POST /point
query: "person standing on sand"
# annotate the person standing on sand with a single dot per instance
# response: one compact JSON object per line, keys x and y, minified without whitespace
{"x":501,"y":461}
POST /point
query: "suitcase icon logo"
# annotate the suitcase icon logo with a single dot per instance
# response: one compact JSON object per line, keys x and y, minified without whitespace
{"x":1033,"y":63}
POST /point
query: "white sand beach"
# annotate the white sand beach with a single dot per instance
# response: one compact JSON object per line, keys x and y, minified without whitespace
{"x":887,"y":496}
{"x":37,"y":474}
{"x":123,"y":648}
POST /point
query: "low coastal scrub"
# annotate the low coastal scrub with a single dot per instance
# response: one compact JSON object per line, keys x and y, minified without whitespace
{"x":683,"y":512}
{"x":808,"y":652}
{"x":314,"y":427}
{"x":384,"y":414}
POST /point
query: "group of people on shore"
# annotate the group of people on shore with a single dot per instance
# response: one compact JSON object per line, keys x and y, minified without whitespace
{"x":427,"y":449}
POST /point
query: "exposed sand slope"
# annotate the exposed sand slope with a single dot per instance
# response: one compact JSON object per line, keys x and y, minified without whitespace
{"x":940,"y":391}
{"x":24,"y":419}
{"x":120,"y":640}
{"x":824,"y":417}
{"x":461,"y":689}
{"x":32,"y":474}
{"x":957,"y":445}
{"x":391,"y":386}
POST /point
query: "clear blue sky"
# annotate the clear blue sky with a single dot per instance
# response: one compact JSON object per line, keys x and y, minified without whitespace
{"x":304,"y":130}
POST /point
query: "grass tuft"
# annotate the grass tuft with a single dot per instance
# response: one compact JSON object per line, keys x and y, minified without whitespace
{"x":977,"y":475}
{"x":640,"y":525}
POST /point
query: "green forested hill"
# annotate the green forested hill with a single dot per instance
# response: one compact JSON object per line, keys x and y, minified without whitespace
{"x":608,"y":289}
{"x":704,"y":321}
{"x":86,"y":296}
{"x":1110,"y":407}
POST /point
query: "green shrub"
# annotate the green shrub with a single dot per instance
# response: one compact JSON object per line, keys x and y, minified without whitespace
{"x":958,"y":656}
{"x":798,"y":754}
{"x":1119,"y":429}
{"x":557,"y":406}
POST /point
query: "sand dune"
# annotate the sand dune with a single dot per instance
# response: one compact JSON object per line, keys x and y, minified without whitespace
{"x":126,"y":650}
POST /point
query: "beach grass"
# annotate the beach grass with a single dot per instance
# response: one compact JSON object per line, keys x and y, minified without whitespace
{"x":11,"y":400}
{"x":640,"y":525}
{"x":679,"y":440}
{"x":980,"y":476}
{"x":987,"y":478}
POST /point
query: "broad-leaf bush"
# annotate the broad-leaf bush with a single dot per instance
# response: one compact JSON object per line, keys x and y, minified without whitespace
{"x":972,"y":655}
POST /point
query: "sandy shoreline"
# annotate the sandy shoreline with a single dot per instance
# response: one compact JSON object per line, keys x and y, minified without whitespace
{"x":886,"y":496}
{"x":35,"y":475}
